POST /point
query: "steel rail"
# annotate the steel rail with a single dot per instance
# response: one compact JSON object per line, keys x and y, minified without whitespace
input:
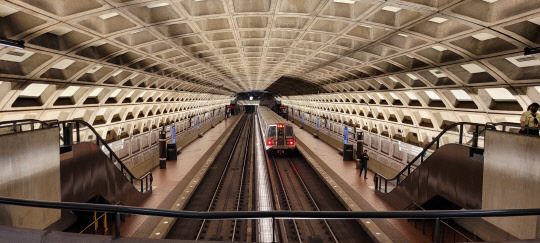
{"x":288,"y":204}
{"x":311,"y":198}
{"x":244,"y":165}
{"x":225,"y":170}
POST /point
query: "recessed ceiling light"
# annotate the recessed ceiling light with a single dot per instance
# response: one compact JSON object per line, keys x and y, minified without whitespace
{"x":461,"y":95}
{"x":438,"y":20}
{"x":108,"y":15}
{"x":16,"y":56}
{"x":116,"y":73}
{"x":157,"y":5}
{"x":34,"y":90}
{"x":500,"y":94}
{"x":535,"y":20}
{"x":99,"y":43}
{"x":439,"y":48}
{"x":391,"y":9}
{"x":411,"y":95}
{"x":60,"y":31}
{"x":524,"y":61}
{"x":473,"y":68}
{"x":490,"y":1}
{"x":63,"y":64}
{"x":95,"y":93}
{"x":345,"y":1}
{"x":115,"y":93}
{"x":94,"y":69}
{"x":70,"y":91}
{"x":437,"y":73}
{"x":5,"y":11}
{"x":410,"y":75}
{"x":404,"y":35}
{"x":483,"y":36}
{"x":432,"y":95}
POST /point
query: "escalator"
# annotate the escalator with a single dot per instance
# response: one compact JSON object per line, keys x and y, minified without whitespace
{"x":450,"y":172}
{"x":89,"y":175}
{"x":86,"y":173}
{"x":453,"y":171}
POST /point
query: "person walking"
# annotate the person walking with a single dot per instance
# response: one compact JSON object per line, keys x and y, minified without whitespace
{"x":363,"y":163}
{"x":529,"y":119}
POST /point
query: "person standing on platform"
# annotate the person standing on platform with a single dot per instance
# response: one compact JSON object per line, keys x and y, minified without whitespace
{"x":529,"y":119}
{"x":363,"y":163}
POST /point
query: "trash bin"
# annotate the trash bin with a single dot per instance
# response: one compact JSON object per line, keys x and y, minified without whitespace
{"x":348,"y":152}
{"x":171,"y":151}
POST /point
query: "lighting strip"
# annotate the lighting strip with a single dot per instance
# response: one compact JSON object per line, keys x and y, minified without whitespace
{"x":264,"y":226}
{"x":12,"y":43}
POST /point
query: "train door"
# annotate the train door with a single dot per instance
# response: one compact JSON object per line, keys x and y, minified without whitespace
{"x":281,"y":135}
{"x":271,"y":139}
{"x":289,"y":135}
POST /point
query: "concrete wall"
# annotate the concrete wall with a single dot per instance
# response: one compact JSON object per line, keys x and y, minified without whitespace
{"x":512,"y":180}
{"x":30,"y":169}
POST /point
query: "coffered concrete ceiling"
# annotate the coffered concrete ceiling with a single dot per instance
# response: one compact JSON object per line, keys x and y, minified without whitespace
{"x":228,"y":46}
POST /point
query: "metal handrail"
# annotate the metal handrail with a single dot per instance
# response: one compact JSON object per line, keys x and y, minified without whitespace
{"x":231,"y":215}
{"x":447,"y":225}
{"x":228,"y":215}
{"x":476,"y":134}
{"x":23,"y":122}
{"x":148,"y":178}
{"x":436,"y":142}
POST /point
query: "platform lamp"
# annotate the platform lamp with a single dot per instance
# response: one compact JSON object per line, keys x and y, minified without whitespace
{"x":163,"y":149}
{"x":359,"y":143}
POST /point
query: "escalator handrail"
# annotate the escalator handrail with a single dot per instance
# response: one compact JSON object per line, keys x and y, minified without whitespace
{"x":427,"y":147}
{"x":111,"y":152}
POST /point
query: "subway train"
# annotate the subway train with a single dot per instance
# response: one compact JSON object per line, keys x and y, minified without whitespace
{"x":278,"y":133}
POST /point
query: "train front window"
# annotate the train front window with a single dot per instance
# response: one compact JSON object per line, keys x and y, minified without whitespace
{"x":281,"y":132}
{"x":288,"y":131}
{"x":272,"y":131}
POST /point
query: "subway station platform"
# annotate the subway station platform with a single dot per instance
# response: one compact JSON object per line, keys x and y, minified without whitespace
{"x":168,"y":183}
{"x":357,"y":191}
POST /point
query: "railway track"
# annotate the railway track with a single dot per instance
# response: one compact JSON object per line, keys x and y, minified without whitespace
{"x":300,"y":189}
{"x":227,"y":186}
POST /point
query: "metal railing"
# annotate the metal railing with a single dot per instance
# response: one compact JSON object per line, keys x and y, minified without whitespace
{"x":21,"y":125}
{"x":118,"y":211}
{"x":479,"y":130}
{"x":145,"y":181}
{"x":381,"y":182}
{"x":67,"y":140}
{"x":455,"y":231}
